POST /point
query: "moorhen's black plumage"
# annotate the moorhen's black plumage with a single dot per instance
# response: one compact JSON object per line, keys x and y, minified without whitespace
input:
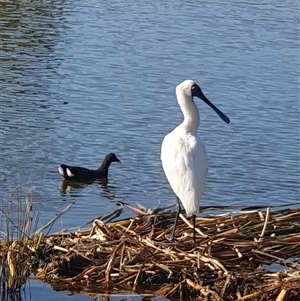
{"x":81,"y":174}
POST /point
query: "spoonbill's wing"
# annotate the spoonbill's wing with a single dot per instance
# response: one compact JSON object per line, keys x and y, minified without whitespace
{"x":184,"y":162}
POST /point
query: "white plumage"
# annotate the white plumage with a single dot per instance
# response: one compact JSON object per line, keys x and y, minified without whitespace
{"x":184,"y":161}
{"x":183,"y":153}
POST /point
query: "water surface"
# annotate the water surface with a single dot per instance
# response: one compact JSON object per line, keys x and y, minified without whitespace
{"x":80,"y":79}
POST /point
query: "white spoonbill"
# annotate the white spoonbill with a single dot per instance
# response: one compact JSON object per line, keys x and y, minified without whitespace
{"x":183,"y":153}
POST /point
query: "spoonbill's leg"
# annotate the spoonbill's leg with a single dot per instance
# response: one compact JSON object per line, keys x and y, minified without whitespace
{"x":176,"y":218}
{"x":194,"y":228}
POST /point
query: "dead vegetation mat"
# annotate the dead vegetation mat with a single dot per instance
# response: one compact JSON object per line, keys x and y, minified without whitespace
{"x":231,"y":259}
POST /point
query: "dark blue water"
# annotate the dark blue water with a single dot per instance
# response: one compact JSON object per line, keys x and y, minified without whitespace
{"x":80,"y":79}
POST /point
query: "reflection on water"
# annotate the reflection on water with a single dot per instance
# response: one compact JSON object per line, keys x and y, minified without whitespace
{"x":29,"y":35}
{"x":67,"y":186}
{"x":36,"y":291}
{"x":11,"y":296}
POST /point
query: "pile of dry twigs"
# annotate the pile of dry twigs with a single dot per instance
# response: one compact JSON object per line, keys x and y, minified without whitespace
{"x":229,"y":260}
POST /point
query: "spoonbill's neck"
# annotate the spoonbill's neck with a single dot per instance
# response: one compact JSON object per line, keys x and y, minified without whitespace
{"x":190,"y":113}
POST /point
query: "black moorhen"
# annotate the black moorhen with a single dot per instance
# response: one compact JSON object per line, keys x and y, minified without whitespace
{"x":81,"y":174}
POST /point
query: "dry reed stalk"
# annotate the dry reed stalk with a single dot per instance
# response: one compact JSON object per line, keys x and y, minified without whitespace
{"x":134,"y":254}
{"x":281,"y":295}
{"x":205,"y":291}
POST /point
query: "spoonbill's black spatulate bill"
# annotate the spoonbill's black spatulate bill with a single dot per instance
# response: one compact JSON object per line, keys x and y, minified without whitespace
{"x":183,"y":154}
{"x":81,"y":174}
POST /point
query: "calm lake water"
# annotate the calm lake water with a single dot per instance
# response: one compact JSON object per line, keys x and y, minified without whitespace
{"x":80,"y":79}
